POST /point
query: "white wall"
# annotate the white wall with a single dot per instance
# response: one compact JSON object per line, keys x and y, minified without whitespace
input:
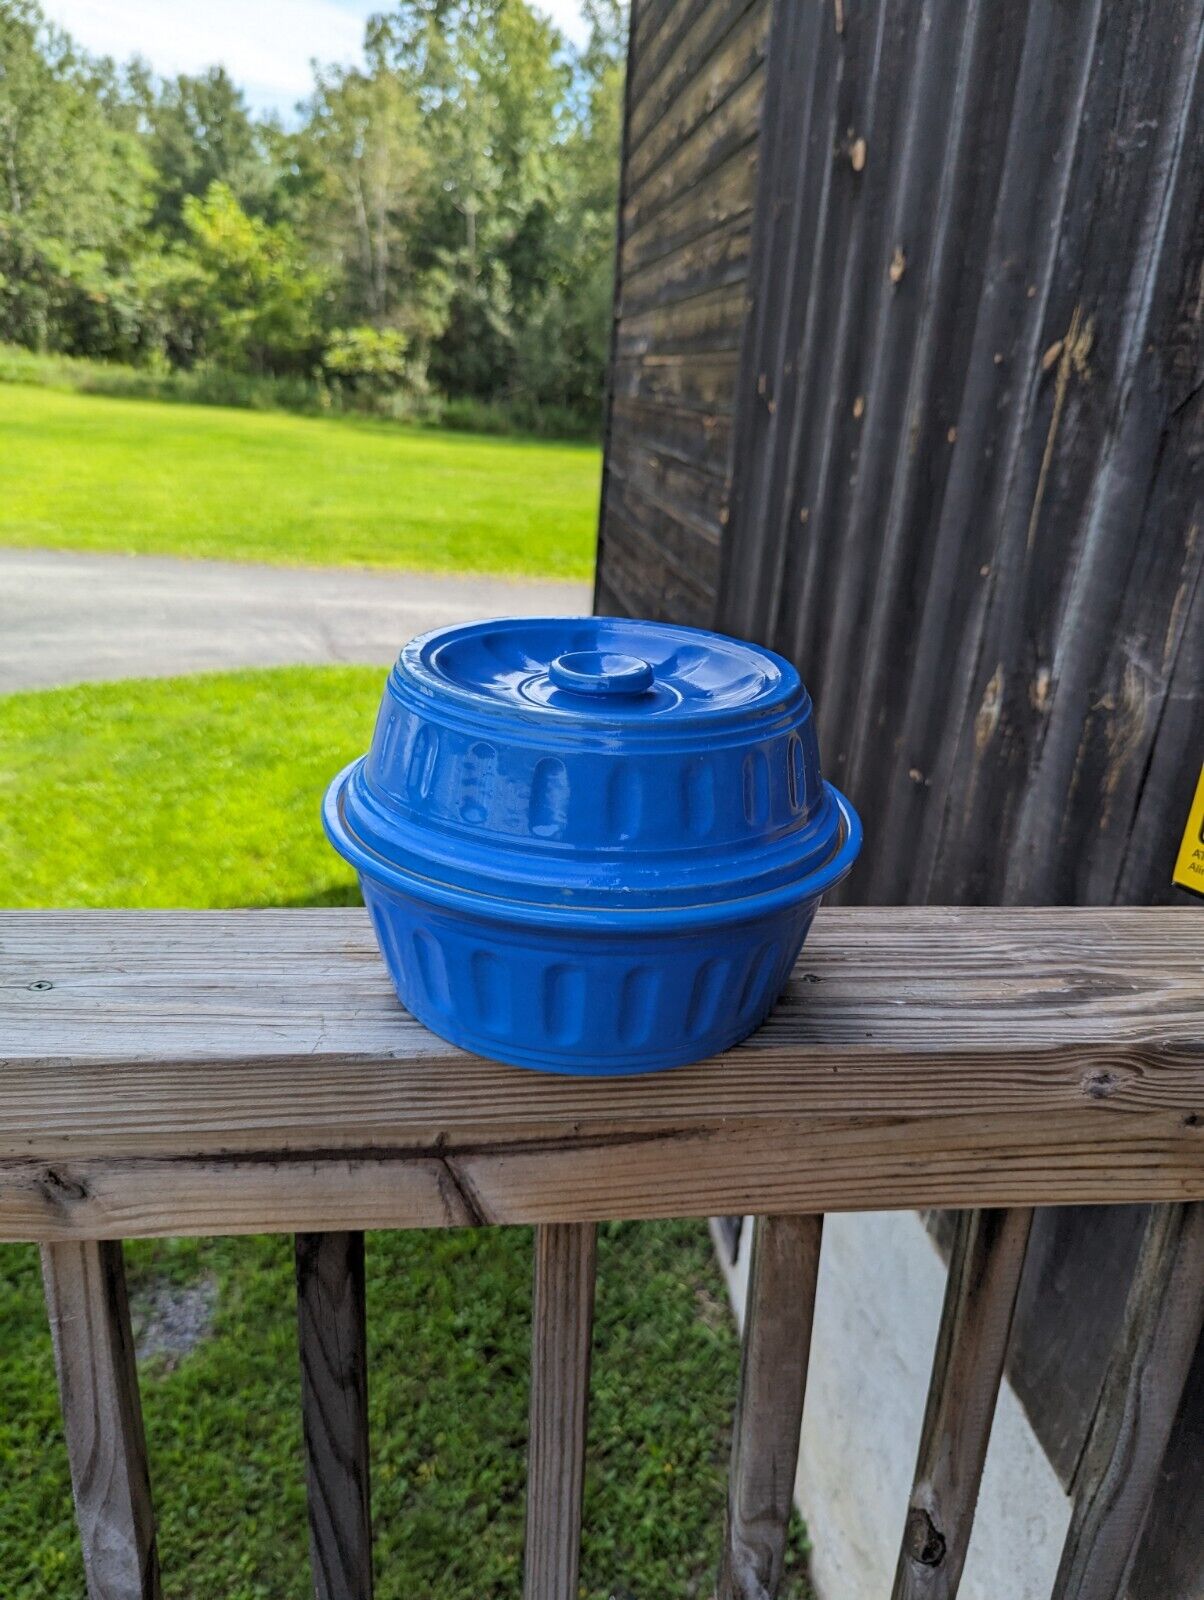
{"x":881,"y":1282}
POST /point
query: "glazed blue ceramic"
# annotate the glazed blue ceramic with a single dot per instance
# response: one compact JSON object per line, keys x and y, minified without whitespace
{"x":591,"y":845}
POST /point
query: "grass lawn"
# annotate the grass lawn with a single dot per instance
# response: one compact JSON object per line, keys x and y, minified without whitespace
{"x":86,"y":472}
{"x":197,"y":791}
{"x":204,"y":791}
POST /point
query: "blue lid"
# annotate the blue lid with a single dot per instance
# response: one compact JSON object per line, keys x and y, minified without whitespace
{"x":593,"y":762}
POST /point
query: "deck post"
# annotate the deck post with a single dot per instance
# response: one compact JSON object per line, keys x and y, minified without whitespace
{"x":773,"y":1380}
{"x":967,"y":1367}
{"x":332,"y":1338}
{"x":88,"y":1307}
{"x":561,"y":1335}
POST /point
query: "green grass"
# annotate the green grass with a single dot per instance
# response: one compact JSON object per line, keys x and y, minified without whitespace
{"x":86,"y":472}
{"x":199,"y":791}
{"x":204,"y":791}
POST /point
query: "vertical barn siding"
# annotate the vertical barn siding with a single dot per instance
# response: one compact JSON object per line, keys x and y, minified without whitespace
{"x":950,"y":460}
{"x":967,"y":461}
{"x":695,"y":90}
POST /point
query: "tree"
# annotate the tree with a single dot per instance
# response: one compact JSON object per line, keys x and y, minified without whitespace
{"x":492,"y":78}
{"x":74,"y":189}
{"x":246,"y":289}
{"x":561,"y":355}
{"x":448,"y":204}
{"x":363,"y":138}
{"x":199,"y":132}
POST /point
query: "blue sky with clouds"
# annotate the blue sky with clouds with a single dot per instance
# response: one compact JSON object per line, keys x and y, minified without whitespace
{"x":265,"y":45}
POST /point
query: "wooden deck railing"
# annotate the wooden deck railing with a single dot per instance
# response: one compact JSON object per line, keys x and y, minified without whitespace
{"x":197,"y":1073}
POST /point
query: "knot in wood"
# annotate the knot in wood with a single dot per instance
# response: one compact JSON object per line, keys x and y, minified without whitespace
{"x":57,"y":1187}
{"x":922,"y":1540}
{"x":1100,"y":1083}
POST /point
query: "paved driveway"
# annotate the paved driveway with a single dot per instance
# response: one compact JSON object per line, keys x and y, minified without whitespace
{"x":70,"y":618}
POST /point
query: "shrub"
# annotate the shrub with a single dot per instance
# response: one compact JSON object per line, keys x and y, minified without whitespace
{"x":371,"y":366}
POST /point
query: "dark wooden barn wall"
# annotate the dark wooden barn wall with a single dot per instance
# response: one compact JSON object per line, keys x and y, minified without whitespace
{"x":694,"y":97}
{"x":967,"y":468}
{"x":955,"y":473}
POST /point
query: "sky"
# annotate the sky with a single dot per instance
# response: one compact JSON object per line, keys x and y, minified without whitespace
{"x":265,"y":45}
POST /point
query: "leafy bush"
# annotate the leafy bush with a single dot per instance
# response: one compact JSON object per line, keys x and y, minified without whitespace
{"x":201,"y":385}
{"x":369,"y":367}
{"x":520,"y":414}
{"x":245,"y":289}
{"x":207,"y":384}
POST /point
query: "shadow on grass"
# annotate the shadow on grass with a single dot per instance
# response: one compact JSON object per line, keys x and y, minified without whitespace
{"x":330,"y":894}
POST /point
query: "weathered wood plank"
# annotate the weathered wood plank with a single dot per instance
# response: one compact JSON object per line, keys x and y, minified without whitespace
{"x":561,"y":1332}
{"x":980,"y":1299}
{"x":702,"y":325}
{"x":699,"y":381}
{"x":332,"y":1341}
{"x":706,"y":101}
{"x":773,"y":1382}
{"x":1163,"y":1320}
{"x":696,"y":438}
{"x":642,"y":565}
{"x":692,"y":110}
{"x":102,"y":1416}
{"x":717,"y":258}
{"x":694,"y":164}
{"x":723,"y":197}
{"x":228,"y":1072}
{"x":683,"y":559}
{"x":661,"y":75}
{"x":682,"y":494}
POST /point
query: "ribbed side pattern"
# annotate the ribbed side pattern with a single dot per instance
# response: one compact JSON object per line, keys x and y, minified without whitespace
{"x":547,"y":998}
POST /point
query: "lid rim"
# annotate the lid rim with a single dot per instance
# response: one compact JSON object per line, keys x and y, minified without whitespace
{"x":382,"y":823}
{"x":810,"y":885}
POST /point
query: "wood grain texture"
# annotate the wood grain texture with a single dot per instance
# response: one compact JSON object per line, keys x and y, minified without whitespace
{"x":1163,"y":1320}
{"x":968,"y":461}
{"x":976,"y":1320}
{"x":102,"y":1416}
{"x":562,"y":1322}
{"x":769,"y":1413}
{"x":1170,"y":1560}
{"x":332,"y":1340}
{"x":236,"y":1072}
{"x":695,"y":92}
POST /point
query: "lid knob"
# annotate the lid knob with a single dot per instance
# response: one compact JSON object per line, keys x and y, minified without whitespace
{"x":601,"y":672}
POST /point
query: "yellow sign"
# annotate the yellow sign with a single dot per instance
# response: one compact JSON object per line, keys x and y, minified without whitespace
{"x":1189,"y":868}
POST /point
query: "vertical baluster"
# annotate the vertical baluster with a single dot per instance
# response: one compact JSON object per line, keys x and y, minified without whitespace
{"x":561,"y":1332}
{"x":769,"y":1413}
{"x":332,"y":1335}
{"x":89,"y":1315}
{"x":1164,"y":1314}
{"x":976,"y":1321}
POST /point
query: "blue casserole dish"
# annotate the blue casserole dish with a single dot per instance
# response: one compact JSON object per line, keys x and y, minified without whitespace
{"x":591,"y":845}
